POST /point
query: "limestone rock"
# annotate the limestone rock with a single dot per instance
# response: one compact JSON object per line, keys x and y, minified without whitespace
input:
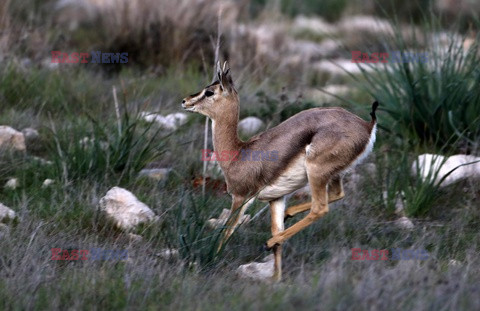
{"x":157,"y":174}
{"x":47,"y":182}
{"x":314,"y":25}
{"x":12,"y":184}
{"x":435,"y":167}
{"x":30,"y":134}
{"x":215,"y":223}
{"x":262,"y":271}
{"x":11,"y":139}
{"x":404,"y":223}
{"x":250,"y":126}
{"x":124,"y":209}
{"x":6,"y":213}
{"x":170,"y":122}
{"x":169,"y":253}
{"x":362,"y":23}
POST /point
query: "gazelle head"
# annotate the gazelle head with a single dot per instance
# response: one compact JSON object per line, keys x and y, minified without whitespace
{"x":217,"y":98}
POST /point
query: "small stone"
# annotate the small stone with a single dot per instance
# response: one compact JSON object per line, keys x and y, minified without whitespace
{"x":169,"y":253}
{"x":454,"y":263}
{"x":47,"y":182}
{"x":215,"y":223}
{"x":12,"y":184}
{"x":11,"y":139}
{"x":404,"y":223}
{"x":171,"y":122}
{"x":6,"y":213}
{"x":157,"y":174}
{"x":42,"y":161}
{"x":124,"y":209}
{"x":250,"y":126}
{"x":433,"y":168}
{"x":30,"y":133}
{"x":262,"y":271}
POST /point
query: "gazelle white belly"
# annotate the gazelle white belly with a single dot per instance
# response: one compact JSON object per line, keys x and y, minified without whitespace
{"x":293,"y":178}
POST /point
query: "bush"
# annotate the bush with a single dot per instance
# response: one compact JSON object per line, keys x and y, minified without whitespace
{"x":436,"y":102}
{"x":93,"y":150}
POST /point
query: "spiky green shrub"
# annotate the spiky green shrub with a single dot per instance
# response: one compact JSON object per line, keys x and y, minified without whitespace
{"x":93,"y":149}
{"x":436,"y":101}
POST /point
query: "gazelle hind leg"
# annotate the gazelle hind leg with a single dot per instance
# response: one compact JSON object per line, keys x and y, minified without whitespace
{"x":335,"y":193}
{"x":277,"y":211}
{"x":318,"y":181}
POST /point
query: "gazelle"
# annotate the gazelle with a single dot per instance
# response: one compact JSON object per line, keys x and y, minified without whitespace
{"x":315,"y":146}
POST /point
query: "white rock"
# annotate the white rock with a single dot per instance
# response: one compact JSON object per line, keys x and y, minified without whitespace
{"x":313,"y":24}
{"x":341,"y":67}
{"x":30,"y":133}
{"x":12,"y":183}
{"x":434,"y":167}
{"x":250,"y":126}
{"x":215,"y":223}
{"x":6,"y":212}
{"x":454,"y":263}
{"x":124,"y":209}
{"x":88,"y":142}
{"x":170,"y":122}
{"x":157,"y":174}
{"x":47,"y":182}
{"x":11,"y":139}
{"x":262,"y":271}
{"x":362,"y":24}
{"x":404,"y":223}
{"x":329,"y":92}
{"x":308,"y":50}
{"x":399,"y":202}
{"x":169,"y":253}
{"x":42,"y":161}
{"x":177,"y":119}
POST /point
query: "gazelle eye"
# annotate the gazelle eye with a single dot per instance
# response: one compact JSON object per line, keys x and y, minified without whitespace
{"x":209,"y":93}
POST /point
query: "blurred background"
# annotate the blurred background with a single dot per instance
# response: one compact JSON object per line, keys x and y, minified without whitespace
{"x":87,"y":127}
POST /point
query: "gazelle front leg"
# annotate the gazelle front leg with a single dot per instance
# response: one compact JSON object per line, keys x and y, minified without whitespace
{"x":277,"y":211}
{"x":239,"y":206}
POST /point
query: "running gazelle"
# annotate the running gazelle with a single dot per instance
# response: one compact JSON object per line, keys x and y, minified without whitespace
{"x":315,"y":146}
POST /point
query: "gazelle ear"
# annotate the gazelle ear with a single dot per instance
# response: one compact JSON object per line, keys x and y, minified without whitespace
{"x":226,"y":80}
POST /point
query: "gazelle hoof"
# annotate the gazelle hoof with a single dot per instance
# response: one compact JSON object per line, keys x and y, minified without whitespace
{"x":266,"y":248}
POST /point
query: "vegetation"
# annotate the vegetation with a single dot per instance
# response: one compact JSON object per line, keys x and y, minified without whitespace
{"x":87,"y":148}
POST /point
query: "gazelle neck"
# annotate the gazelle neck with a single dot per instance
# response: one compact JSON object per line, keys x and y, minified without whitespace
{"x":224,"y":129}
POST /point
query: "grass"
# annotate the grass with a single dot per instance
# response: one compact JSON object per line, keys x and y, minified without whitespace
{"x":71,"y":103}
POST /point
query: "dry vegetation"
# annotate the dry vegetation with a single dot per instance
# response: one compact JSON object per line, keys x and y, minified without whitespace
{"x":276,"y":59}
